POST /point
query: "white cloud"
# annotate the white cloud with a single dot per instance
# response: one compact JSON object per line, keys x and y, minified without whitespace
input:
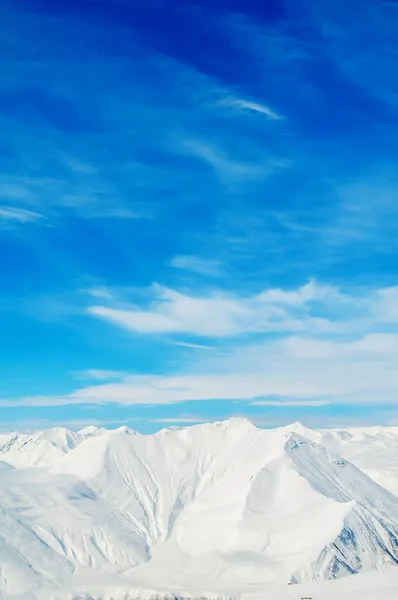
{"x":310,"y":309}
{"x":100,"y":293}
{"x":223,"y":315}
{"x":257,"y":107}
{"x":194,"y":346}
{"x":307,"y":293}
{"x":360,"y":371}
{"x":348,"y":356}
{"x":18,"y":215}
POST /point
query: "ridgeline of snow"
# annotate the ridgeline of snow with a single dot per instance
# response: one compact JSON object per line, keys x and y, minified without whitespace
{"x":222,"y":508}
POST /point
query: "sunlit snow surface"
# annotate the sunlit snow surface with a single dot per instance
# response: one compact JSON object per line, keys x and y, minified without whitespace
{"x":222,"y":509}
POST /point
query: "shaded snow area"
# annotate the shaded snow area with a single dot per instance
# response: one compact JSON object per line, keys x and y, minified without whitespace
{"x":223,"y":510}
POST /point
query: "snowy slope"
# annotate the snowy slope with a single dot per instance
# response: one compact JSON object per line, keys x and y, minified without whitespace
{"x":225,"y":507}
{"x":21,"y":450}
{"x":369,"y":538}
{"x":372,"y":449}
{"x":43,"y":448}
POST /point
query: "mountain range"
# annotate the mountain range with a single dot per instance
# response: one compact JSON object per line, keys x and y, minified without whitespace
{"x":218,"y":509}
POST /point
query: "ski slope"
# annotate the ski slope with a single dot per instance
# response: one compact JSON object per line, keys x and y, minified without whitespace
{"x":223,"y":509}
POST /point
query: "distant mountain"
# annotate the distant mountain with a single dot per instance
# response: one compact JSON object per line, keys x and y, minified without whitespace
{"x":221,"y":507}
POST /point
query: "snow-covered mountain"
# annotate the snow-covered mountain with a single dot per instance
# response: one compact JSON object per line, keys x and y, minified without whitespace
{"x":220,"y":508}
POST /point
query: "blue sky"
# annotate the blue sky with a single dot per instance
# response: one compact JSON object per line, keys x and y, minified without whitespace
{"x":198,"y":212}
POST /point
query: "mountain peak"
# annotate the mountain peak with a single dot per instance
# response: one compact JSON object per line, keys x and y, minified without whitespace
{"x":237,"y":422}
{"x":297,"y":426}
{"x":125,"y":430}
{"x":89,"y":430}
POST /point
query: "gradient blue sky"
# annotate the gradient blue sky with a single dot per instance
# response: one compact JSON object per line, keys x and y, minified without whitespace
{"x":198,"y":212}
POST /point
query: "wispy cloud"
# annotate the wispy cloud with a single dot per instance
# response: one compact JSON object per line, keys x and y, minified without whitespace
{"x":85,"y":161}
{"x":196,"y":264}
{"x":310,"y":309}
{"x":342,"y":42}
{"x":219,"y":314}
{"x":261,"y":374}
{"x":114,"y":213}
{"x":180,"y":420}
{"x":366,"y":208}
{"x":101,"y":375}
{"x":291,"y":403}
{"x":248,"y":105}
{"x":229,"y":169}
{"x":194,"y":346}
{"x":18,"y":215}
{"x":99,"y":293}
